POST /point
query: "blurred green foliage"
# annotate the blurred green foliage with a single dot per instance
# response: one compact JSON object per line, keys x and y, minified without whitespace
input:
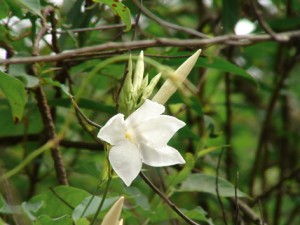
{"x":243,"y":121}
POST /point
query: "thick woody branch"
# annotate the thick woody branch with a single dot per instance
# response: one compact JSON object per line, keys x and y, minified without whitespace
{"x":45,"y":111}
{"x":50,"y":134}
{"x":13,"y":140}
{"x":238,"y":40}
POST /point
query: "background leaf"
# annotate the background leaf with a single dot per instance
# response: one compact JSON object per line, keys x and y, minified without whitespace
{"x":223,"y":65}
{"x":206,"y":183}
{"x":15,"y":93}
{"x":59,"y":202}
{"x":120,"y":9}
{"x":34,"y":6}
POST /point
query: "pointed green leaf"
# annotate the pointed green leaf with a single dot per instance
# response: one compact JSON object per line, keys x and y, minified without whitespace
{"x":34,"y":6}
{"x":4,"y":9}
{"x":183,"y":174}
{"x":120,"y":9}
{"x":89,"y":206}
{"x":230,"y":15}
{"x":223,"y":65}
{"x":15,"y":8}
{"x":15,"y":93}
{"x":207,"y":183}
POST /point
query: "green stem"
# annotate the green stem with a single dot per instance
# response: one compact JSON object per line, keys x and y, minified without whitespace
{"x":28,"y":159}
{"x":102,"y":200}
{"x":92,"y":198}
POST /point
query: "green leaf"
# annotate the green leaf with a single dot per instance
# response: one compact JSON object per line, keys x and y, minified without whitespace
{"x":183,"y":174}
{"x":29,"y":81}
{"x":120,"y":9}
{"x":2,"y":222}
{"x":84,"y":104}
{"x":34,"y":6}
{"x":15,"y":93}
{"x":207,"y":183}
{"x":230,"y":14}
{"x":89,"y":206}
{"x":223,"y":65}
{"x":208,"y":150}
{"x":7,"y":209}
{"x":63,"y":87}
{"x":4,"y":9}
{"x":212,"y":63}
{"x":82,"y":221}
{"x":198,"y":214}
{"x":15,"y":8}
{"x":30,"y":208}
{"x":60,"y":201}
{"x":46,"y":220}
{"x":3,"y":33}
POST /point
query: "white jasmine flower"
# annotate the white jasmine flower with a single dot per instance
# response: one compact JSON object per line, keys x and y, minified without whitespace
{"x":113,"y":215}
{"x":141,"y":138}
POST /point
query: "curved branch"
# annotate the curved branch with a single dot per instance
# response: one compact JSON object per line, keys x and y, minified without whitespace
{"x":164,"y":23}
{"x":167,"y":200}
{"x":238,"y":40}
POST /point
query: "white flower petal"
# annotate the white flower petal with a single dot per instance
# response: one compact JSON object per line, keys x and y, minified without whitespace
{"x":114,"y":130}
{"x":146,"y":111}
{"x":158,"y":131}
{"x":165,"y":156}
{"x":125,"y":159}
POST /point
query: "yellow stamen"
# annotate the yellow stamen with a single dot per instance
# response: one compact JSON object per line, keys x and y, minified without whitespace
{"x":128,"y":136}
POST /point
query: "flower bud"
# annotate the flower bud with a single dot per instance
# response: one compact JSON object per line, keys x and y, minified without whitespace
{"x":175,"y":79}
{"x":113,"y":215}
{"x":149,"y":89}
{"x":139,"y":73}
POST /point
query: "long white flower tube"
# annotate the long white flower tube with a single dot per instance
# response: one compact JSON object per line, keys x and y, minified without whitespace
{"x":141,"y":138}
{"x":176,"y":79}
{"x":113,"y":215}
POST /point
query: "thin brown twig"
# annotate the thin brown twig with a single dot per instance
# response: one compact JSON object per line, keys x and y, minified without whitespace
{"x":276,"y":186}
{"x":229,"y":158}
{"x":88,"y":29}
{"x":237,"y":208}
{"x":13,"y":140}
{"x":217,"y":187}
{"x":238,"y":40}
{"x":167,"y":200}
{"x":248,"y":211}
{"x":84,"y":116}
{"x":167,"y":24}
{"x":264,"y":24}
{"x":264,"y":135}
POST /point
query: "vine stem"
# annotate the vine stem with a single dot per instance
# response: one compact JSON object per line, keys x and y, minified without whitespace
{"x":217,"y":187}
{"x":102,"y":200}
{"x":167,"y":200}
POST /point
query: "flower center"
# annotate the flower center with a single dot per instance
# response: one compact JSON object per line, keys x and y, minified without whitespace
{"x":128,"y":136}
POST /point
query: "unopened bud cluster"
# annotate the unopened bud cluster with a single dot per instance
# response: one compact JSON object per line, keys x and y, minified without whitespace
{"x":137,"y":88}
